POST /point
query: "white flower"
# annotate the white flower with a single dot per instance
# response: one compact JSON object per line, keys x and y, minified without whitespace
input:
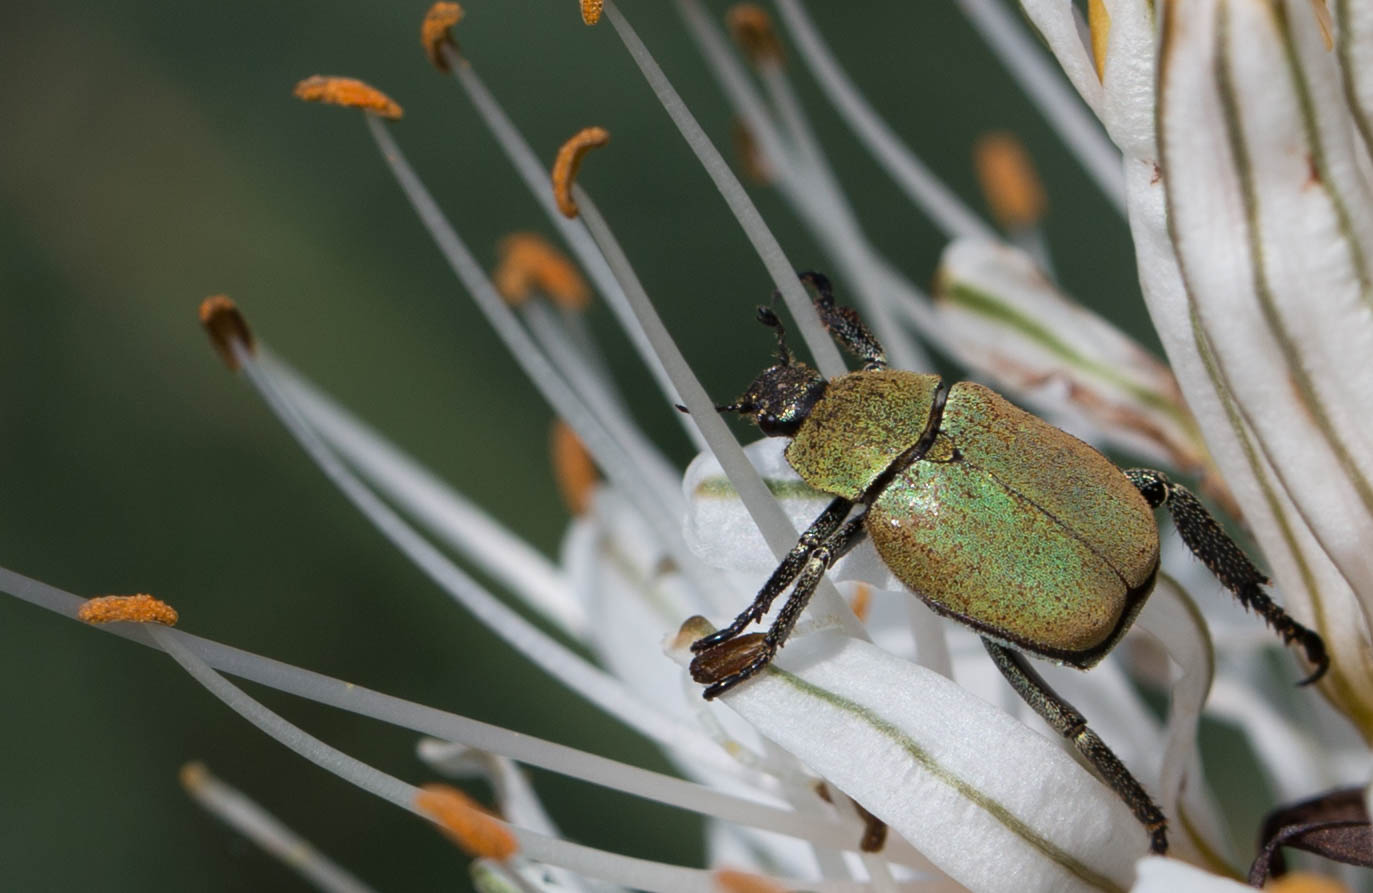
{"x":1248,"y":209}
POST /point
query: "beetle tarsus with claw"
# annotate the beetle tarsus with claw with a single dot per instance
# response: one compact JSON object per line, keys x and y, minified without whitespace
{"x":992,"y":516}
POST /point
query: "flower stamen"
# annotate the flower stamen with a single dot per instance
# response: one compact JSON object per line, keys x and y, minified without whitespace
{"x":591,"y":11}
{"x":436,"y":35}
{"x":530,"y":263}
{"x":751,"y":27}
{"x":477,"y":832}
{"x":569,"y":160}
{"x":141,"y":608}
{"x":1009,"y":180}
{"x":572,"y":468}
{"x":349,"y":93}
{"x":227,"y":329}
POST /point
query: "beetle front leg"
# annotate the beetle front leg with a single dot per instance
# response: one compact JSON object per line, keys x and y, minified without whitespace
{"x":726,"y":666}
{"x":1227,"y":561}
{"x":1068,"y":722}
{"x":820,"y":530}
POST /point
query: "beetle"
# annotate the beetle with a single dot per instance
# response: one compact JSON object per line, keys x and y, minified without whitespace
{"x":989,"y":514}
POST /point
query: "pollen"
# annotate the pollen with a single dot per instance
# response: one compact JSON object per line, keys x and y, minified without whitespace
{"x":751,"y":27}
{"x":225,"y":325}
{"x":1009,"y":180}
{"x":591,"y":11}
{"x":530,"y":264}
{"x":572,"y":467}
{"x":1305,"y":882}
{"x":732,"y":880}
{"x":141,"y":608}
{"x":436,"y":33}
{"x":477,"y":832}
{"x":348,"y":92}
{"x":569,"y":160}
{"x":1099,"y":24}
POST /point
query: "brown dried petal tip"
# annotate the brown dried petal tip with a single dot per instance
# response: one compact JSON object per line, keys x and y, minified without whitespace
{"x":573,"y":468}
{"x":569,"y":159}
{"x":591,"y":11}
{"x":435,"y":32}
{"x":1009,"y":180}
{"x":140,"y":608}
{"x":225,"y":325}
{"x":751,"y":27}
{"x":348,"y":92}
{"x":473,"y":829}
{"x":529,"y":264}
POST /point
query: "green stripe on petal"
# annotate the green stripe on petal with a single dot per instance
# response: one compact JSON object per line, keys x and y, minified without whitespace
{"x":993,"y":804}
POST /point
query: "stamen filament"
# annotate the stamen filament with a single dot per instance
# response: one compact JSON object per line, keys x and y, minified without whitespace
{"x":443,"y":511}
{"x":769,"y":250}
{"x":267,"y":831}
{"x":1043,"y":84}
{"x":648,"y":496}
{"x":772,"y":522}
{"x":535,"y":178}
{"x":942,"y":206}
{"x":526,"y":749}
{"x":542,"y":650}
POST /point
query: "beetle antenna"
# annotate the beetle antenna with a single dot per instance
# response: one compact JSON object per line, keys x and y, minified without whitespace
{"x":768,"y":317}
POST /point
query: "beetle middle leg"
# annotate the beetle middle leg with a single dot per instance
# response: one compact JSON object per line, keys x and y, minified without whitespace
{"x":1068,"y":722}
{"x":725,"y":664}
{"x":1227,"y":561}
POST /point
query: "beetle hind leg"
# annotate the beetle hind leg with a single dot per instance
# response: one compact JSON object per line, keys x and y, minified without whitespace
{"x":1068,"y":722}
{"x":1227,"y":561}
{"x":844,"y":324}
{"x":729,"y":661}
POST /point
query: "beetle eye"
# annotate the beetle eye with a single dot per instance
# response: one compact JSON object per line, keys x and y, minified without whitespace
{"x":776,"y":426}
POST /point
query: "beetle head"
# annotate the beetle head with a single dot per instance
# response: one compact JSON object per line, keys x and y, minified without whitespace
{"x":782,"y":395}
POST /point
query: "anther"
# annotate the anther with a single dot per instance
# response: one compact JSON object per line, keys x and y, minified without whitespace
{"x":436,"y":33}
{"x":348,"y":92}
{"x":529,"y":263}
{"x":572,"y":467}
{"x":1009,"y":180}
{"x":193,"y":776}
{"x":477,"y":832}
{"x":141,"y":608}
{"x":732,"y":880}
{"x":591,"y":11}
{"x":569,"y":159}
{"x":225,"y":325}
{"x":751,"y":27}
{"x":751,"y":160}
{"x":1099,"y":24}
{"x":861,"y":603}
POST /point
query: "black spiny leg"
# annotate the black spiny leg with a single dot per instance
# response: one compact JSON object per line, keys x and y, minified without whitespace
{"x":844,"y":324}
{"x":760,"y":650}
{"x":820,"y":530}
{"x":1227,"y":561}
{"x":1069,"y":723}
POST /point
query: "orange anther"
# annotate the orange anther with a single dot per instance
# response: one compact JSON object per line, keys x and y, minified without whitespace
{"x":861,"y":603}
{"x":569,"y":159}
{"x":751,"y":27}
{"x":572,"y":467}
{"x":1009,"y":180}
{"x":591,"y":11}
{"x":1304,"y":882}
{"x":225,"y":325}
{"x":348,"y":92}
{"x":529,"y":264}
{"x":127,"y":609}
{"x":435,"y":33}
{"x":751,"y":160}
{"x":472,"y":828}
{"x":732,"y":880}
{"x":1099,"y":27}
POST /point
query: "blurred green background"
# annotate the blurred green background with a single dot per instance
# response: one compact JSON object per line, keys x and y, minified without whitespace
{"x":151,"y":155}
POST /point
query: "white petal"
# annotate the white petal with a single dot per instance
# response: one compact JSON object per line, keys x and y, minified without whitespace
{"x":993,"y":804}
{"x":1005,"y":319}
{"x":1355,"y":47}
{"x":1271,"y":222}
{"x":1056,"y":23}
{"x":1159,"y":875}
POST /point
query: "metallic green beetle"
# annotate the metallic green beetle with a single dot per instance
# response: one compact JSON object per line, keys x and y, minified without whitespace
{"x":992,"y":516}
